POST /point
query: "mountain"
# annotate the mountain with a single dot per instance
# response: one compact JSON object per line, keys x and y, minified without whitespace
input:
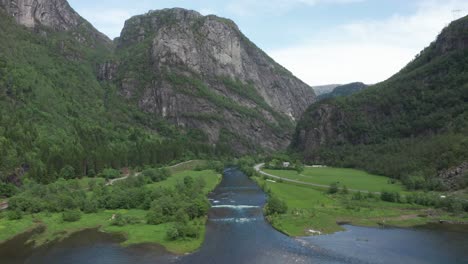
{"x":176,"y":85}
{"x":56,"y":15}
{"x":324,"y":89}
{"x":201,"y":72}
{"x":413,"y":126}
{"x":343,"y":90}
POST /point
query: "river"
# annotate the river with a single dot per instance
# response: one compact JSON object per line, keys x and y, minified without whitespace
{"x":238,"y":233}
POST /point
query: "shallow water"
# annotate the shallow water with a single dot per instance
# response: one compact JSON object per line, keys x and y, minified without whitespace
{"x":238,"y":233}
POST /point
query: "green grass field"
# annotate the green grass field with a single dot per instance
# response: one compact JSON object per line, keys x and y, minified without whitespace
{"x":312,"y":208}
{"x":351,"y":178}
{"x":57,"y":229}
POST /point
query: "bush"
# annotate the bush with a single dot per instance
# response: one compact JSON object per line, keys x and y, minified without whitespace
{"x":358,"y":196}
{"x":7,"y":189}
{"x":182,"y":230}
{"x":67,"y":172}
{"x":393,"y":197}
{"x":14,"y":215}
{"x":155,"y":216}
{"x":90,"y":206}
{"x":275,"y":206}
{"x":121,"y":220}
{"x":333,"y":188}
{"x":156,"y":175}
{"x":110,"y":174}
{"x":71,"y":215}
{"x":345,"y":190}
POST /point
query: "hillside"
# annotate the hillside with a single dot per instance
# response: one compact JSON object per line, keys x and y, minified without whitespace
{"x":175,"y":85}
{"x":343,"y":90}
{"x":413,"y":126}
{"x":57,"y":119}
{"x":201,"y":72}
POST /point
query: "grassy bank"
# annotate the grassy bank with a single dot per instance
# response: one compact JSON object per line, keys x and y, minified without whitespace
{"x":313,"y":209}
{"x":135,"y":233}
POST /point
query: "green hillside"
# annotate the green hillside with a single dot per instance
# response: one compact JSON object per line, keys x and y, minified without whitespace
{"x":54,"y":113}
{"x":413,"y":126}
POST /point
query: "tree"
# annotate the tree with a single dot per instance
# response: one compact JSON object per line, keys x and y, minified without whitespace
{"x":67,"y":172}
{"x":71,"y":215}
{"x":275,"y":206}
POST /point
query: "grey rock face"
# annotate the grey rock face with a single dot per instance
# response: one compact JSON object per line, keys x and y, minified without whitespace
{"x":327,"y":120}
{"x":453,"y":178}
{"x":55,"y":14}
{"x":209,"y":48}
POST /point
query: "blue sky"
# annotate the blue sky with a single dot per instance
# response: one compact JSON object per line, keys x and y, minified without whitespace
{"x":320,"y":41}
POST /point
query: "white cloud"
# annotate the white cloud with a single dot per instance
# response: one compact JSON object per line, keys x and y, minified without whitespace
{"x":369,"y":51}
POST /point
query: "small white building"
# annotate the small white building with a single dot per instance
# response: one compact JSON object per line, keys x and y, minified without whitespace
{"x":286,"y":164}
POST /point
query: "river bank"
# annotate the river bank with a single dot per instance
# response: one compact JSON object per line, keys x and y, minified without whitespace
{"x":138,"y":232}
{"x":314,"y":211}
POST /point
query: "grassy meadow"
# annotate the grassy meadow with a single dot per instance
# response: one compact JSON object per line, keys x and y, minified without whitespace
{"x":312,"y":209}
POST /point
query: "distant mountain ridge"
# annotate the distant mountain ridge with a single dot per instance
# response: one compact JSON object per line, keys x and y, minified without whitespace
{"x":343,"y":90}
{"x":323,"y":89}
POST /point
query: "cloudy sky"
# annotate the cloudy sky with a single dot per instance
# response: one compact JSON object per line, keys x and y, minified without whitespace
{"x":320,"y":41}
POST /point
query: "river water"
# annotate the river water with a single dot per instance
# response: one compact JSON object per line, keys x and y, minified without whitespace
{"x":238,"y":233}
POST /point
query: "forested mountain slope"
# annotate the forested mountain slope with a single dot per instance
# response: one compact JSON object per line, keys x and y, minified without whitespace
{"x":175,"y":85}
{"x":413,"y":126}
{"x":56,"y":117}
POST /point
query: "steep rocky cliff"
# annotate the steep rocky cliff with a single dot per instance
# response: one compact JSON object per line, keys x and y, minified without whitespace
{"x":201,"y":72}
{"x":56,"y":15}
{"x":412,"y":126}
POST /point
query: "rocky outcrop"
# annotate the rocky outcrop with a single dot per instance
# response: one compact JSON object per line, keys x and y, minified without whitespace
{"x":107,"y":71}
{"x":209,"y":76}
{"x":56,"y":14}
{"x":52,"y":14}
{"x":456,"y":177}
{"x":321,"y":126}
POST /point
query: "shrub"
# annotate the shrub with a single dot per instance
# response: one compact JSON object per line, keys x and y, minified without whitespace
{"x":71,"y":215}
{"x":357,"y":196}
{"x":7,"y":189}
{"x":110,"y":173}
{"x":393,"y":197}
{"x":14,"y":215}
{"x":333,"y":188}
{"x":122,"y":220}
{"x":182,"y":230}
{"x":90,"y":206}
{"x":156,"y":175}
{"x":345,"y":190}
{"x":67,"y":172}
{"x":275,"y":206}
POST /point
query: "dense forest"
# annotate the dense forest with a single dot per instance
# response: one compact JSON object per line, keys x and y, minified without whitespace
{"x":413,"y":126}
{"x":58,"y":119}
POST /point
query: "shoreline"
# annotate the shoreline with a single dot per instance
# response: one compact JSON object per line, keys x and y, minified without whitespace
{"x":55,"y":230}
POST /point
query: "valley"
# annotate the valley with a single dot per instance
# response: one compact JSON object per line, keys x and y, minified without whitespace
{"x":180,"y":140}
